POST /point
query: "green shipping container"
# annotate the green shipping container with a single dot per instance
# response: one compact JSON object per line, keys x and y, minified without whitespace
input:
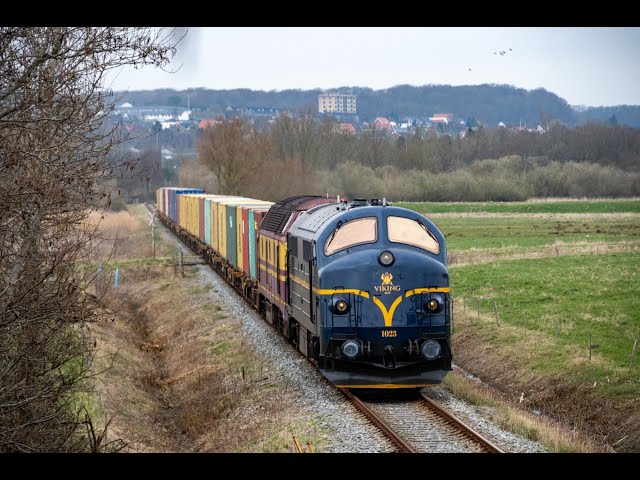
{"x":221,"y":220}
{"x":234,"y":228}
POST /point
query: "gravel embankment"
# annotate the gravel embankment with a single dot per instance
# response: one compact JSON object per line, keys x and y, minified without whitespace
{"x":474,"y":417}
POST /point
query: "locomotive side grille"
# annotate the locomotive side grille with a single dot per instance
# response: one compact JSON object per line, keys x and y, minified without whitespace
{"x":278,"y":215}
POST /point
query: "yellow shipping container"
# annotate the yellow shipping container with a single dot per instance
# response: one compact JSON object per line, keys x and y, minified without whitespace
{"x":221,"y":221}
{"x":216,"y":220}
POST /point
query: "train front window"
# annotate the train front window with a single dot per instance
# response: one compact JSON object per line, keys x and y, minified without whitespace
{"x":412,"y":232}
{"x":354,"y":232}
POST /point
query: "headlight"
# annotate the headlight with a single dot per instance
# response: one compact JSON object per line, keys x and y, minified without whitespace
{"x":351,"y":349}
{"x":430,"y":349}
{"x":434,"y":304}
{"x":386,"y":258}
{"x":340,"y":306}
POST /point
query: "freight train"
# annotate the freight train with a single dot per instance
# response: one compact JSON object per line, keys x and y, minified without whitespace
{"x":360,"y":287}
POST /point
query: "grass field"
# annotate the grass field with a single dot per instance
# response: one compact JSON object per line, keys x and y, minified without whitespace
{"x":552,"y":206}
{"x":533,"y":284}
{"x":547,"y":309}
{"x":523,"y":231}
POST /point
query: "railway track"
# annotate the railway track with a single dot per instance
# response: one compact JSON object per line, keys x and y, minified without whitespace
{"x":412,"y":421}
{"x":417,"y":424}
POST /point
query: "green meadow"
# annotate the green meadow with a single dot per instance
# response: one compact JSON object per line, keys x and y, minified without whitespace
{"x":546,"y":309}
{"x":542,"y":311}
{"x":559,"y":206}
{"x":463,"y":233}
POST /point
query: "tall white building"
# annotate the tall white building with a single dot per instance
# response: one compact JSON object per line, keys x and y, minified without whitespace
{"x":336,"y":103}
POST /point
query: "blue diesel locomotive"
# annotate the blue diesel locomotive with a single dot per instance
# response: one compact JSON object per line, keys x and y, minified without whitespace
{"x":368,"y":286}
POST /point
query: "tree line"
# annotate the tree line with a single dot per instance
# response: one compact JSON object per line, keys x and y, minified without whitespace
{"x":300,"y":155}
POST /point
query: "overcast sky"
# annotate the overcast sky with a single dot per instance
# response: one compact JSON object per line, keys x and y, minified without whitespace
{"x":585,"y":66}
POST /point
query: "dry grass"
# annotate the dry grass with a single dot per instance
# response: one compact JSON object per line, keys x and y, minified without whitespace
{"x":486,"y":255}
{"x":186,"y":379}
{"x":553,"y":436}
{"x":123,"y":235}
{"x":114,"y":222}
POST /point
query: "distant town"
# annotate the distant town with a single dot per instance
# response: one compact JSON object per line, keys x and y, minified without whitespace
{"x":340,"y":109}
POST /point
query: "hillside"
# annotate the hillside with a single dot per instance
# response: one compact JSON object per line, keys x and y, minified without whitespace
{"x":488,"y":103}
{"x":618,"y":115}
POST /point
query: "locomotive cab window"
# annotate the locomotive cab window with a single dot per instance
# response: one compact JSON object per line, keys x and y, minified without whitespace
{"x":412,"y":232}
{"x":354,"y":232}
{"x":292,"y":244}
{"x":307,"y":250}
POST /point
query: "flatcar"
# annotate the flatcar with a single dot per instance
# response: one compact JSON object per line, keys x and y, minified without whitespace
{"x":361,"y":288}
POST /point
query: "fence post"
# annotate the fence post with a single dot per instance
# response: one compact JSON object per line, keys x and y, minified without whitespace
{"x":590,"y":348}
{"x":633,"y":353}
{"x":99,"y":280}
{"x":175,"y":261}
{"x":180,"y":259}
{"x":153,"y":238}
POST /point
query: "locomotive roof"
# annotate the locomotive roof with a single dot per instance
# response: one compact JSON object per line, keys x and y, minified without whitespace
{"x":279,"y":214}
{"x":311,"y":220}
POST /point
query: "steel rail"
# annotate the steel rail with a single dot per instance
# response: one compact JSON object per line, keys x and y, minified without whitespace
{"x":460,"y":425}
{"x":378,"y":422}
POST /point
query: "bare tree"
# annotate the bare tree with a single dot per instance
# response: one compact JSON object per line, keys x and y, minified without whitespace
{"x":54,"y":170}
{"x":234,"y":152}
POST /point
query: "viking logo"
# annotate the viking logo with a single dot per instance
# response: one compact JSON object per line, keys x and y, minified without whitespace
{"x":387,"y":284}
